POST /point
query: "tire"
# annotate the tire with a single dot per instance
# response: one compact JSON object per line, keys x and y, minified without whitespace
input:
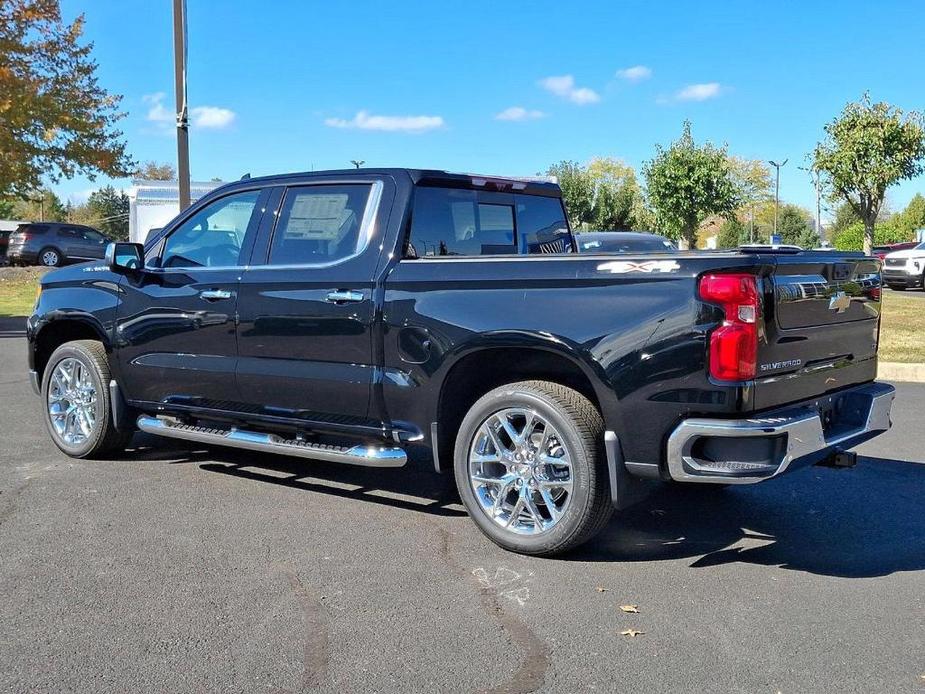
{"x":575,"y":434}
{"x":81,"y":437}
{"x":49,"y":257}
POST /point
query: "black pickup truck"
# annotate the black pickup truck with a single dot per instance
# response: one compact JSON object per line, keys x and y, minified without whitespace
{"x":351,"y":316}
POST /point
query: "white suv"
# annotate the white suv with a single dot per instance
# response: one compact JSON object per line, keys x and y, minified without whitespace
{"x":903,"y":269}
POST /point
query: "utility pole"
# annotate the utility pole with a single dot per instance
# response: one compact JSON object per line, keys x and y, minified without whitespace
{"x":358,"y":162}
{"x":777,"y":189}
{"x":179,"y":59}
{"x":814,"y":175}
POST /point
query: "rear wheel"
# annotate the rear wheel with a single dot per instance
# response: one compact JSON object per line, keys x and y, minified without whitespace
{"x":50,"y":257}
{"x":78,"y":410}
{"x":530,"y":467}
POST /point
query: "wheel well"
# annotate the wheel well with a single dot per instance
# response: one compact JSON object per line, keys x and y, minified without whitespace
{"x":56,"y":334}
{"x":478,"y":373}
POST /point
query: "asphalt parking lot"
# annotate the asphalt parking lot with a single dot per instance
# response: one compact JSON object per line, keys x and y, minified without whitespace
{"x":188,"y":569}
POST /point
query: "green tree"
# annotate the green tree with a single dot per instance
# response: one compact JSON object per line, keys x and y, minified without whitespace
{"x":851,"y":238}
{"x":686,"y":183}
{"x":55,"y":119}
{"x":867,"y":149}
{"x":577,"y":191}
{"x":732,"y":234}
{"x":6,"y":209}
{"x":795,"y":227}
{"x":845,"y":216}
{"x":110,"y":209}
{"x":40,"y":206}
{"x":152,"y":171}
{"x":616,"y":193}
{"x":913,"y":217}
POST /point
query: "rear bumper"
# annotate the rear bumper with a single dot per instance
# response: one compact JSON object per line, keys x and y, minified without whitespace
{"x":746,"y":451}
{"x":18,"y":254}
{"x":901,"y":277}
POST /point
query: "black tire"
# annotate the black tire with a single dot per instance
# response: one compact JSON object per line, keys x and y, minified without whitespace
{"x":103,"y":437}
{"x":52,"y":253}
{"x":581,"y":428}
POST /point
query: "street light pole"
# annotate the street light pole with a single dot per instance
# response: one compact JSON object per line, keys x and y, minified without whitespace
{"x":179,"y":58}
{"x":814,"y":175}
{"x":777,"y":189}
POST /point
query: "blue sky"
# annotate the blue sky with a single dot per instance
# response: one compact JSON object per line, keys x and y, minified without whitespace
{"x":494,"y":87}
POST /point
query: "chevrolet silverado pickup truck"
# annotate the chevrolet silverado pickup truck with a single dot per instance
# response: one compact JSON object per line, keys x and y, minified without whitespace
{"x":356,"y":316}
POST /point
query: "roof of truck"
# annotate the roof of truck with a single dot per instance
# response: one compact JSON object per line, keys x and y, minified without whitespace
{"x":536,"y":185}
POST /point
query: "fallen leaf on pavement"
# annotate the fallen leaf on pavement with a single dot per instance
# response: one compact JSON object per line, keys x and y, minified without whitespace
{"x":601,"y":589}
{"x":631,"y":632}
{"x":630,"y":608}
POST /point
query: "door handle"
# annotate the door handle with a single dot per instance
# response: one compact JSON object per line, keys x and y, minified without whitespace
{"x":214,"y":294}
{"x":344,"y":296}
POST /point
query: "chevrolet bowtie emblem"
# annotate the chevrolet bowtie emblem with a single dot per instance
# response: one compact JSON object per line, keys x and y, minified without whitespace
{"x":840,"y":302}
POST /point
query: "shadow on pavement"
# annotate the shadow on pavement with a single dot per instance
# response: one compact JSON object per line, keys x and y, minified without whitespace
{"x":415,"y":487}
{"x":12,"y":326}
{"x":864,"y":522}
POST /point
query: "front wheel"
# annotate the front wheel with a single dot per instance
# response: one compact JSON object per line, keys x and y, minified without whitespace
{"x":78,"y":410}
{"x":530,"y":467}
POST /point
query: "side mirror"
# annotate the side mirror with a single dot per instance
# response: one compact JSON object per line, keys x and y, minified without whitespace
{"x":122,"y":256}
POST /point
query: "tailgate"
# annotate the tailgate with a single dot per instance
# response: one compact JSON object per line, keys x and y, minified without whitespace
{"x":822,"y":316}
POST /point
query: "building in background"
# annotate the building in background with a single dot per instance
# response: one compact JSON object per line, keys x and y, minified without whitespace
{"x":154,"y":203}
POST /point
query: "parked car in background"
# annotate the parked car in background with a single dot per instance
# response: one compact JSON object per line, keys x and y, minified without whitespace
{"x":882,"y":251}
{"x":623,"y":242}
{"x":55,"y":243}
{"x":906,"y":268}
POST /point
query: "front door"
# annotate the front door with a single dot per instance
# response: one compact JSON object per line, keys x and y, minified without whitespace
{"x":306,"y":304}
{"x":175,"y":331}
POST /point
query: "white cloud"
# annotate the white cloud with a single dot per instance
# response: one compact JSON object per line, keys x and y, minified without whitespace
{"x":214,"y":117}
{"x":637,"y":73}
{"x":211,"y":117}
{"x":699,"y":92}
{"x":364,"y":120}
{"x":519,"y":113}
{"x":564,"y":86}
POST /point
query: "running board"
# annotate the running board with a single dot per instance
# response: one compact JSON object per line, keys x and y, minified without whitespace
{"x":367,"y":456}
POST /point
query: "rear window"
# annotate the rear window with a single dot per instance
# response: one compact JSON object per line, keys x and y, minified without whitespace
{"x":32,"y":228}
{"x":454,"y":222}
{"x":622,"y":244}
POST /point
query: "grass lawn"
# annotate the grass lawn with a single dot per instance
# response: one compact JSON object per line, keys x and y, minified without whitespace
{"x":902,"y":331}
{"x":902,"y":335}
{"x":17,"y":290}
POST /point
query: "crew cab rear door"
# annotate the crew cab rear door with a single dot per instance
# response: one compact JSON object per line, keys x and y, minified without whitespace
{"x":306,"y":305}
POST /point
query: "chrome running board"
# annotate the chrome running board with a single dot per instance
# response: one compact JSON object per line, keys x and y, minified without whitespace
{"x":367,"y":456}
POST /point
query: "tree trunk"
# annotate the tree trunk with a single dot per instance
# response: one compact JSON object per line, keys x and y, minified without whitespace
{"x":868,"y":235}
{"x":688,"y":240}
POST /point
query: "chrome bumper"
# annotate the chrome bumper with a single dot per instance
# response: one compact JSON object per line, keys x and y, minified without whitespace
{"x":797,"y":434}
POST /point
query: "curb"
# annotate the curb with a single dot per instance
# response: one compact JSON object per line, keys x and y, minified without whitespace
{"x":898,"y":371}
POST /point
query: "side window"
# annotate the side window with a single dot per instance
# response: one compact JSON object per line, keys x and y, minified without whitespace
{"x":92,"y":236}
{"x":541,"y":225}
{"x":319,"y":224}
{"x":212,"y":237}
{"x":447,"y":221}
{"x":68,"y":233}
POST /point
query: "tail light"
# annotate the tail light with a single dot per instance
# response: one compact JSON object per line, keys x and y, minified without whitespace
{"x":734,"y":344}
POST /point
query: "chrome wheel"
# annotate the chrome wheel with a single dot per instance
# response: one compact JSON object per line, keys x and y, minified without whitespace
{"x":50,"y":258}
{"x":520,"y":471}
{"x":72,"y":402}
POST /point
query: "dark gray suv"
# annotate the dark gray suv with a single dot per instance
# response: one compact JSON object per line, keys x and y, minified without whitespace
{"x":54,"y":244}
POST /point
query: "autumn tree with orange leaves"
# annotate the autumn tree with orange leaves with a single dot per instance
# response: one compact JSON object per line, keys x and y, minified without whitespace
{"x":56,"y":121}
